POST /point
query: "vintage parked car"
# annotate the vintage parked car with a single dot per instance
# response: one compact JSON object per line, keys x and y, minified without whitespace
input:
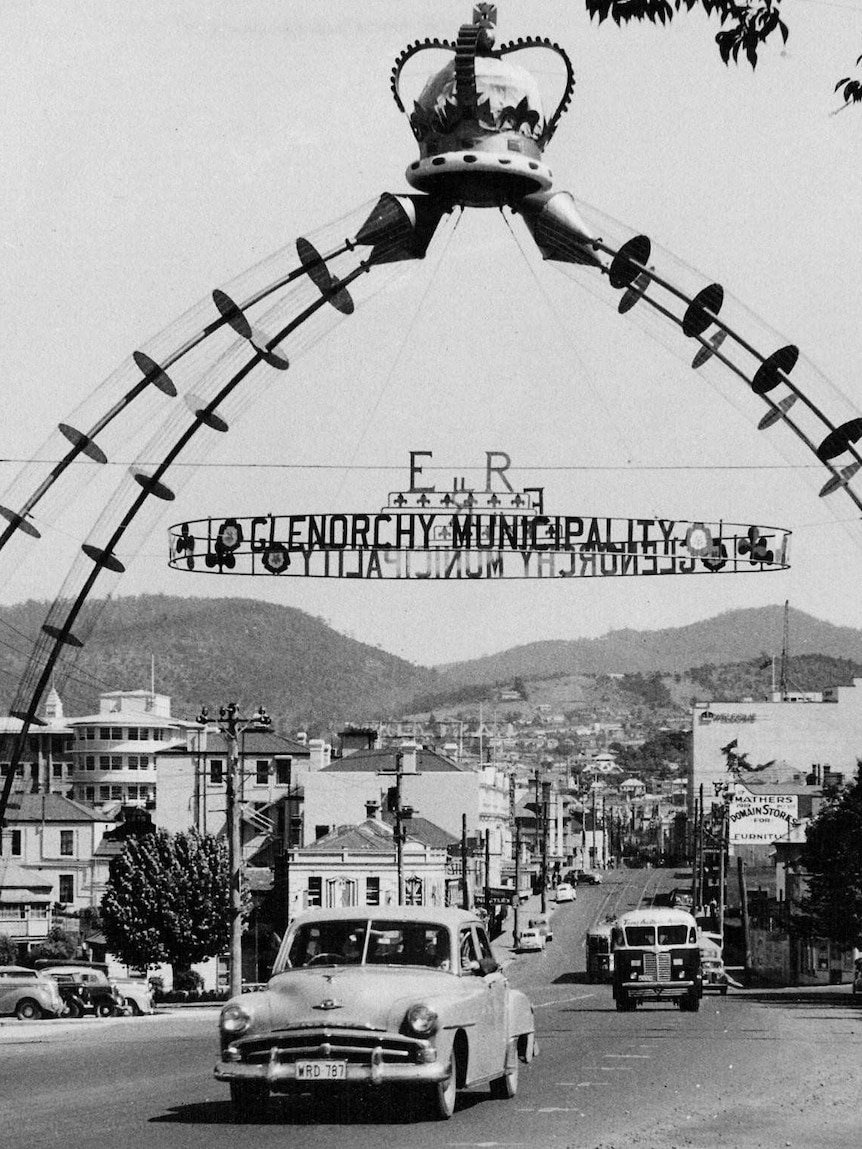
{"x":589,"y":878}
{"x":28,"y":995}
{"x":137,"y":993}
{"x":566,"y":892}
{"x":530,"y":941}
{"x":402,"y":996}
{"x":542,"y":923}
{"x":85,"y":987}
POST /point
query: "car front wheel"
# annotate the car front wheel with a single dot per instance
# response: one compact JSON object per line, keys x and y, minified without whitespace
{"x":105,"y":1009}
{"x":28,"y":1010}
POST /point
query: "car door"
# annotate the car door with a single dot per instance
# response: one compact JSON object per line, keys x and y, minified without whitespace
{"x":8,"y":994}
{"x":488,"y":1039}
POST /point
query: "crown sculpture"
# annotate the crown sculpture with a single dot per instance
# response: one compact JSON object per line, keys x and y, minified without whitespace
{"x":479,"y":121}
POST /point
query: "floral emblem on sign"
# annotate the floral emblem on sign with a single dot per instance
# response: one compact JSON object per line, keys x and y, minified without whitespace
{"x":757,"y":547}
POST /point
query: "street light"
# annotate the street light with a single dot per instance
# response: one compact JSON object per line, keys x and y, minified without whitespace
{"x":231,"y":726}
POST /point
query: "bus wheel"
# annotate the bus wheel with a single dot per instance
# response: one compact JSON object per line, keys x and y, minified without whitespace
{"x":624,"y":1003}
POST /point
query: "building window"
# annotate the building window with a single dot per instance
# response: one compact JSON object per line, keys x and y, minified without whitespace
{"x":89,"y":793}
{"x":144,"y":734}
{"x":116,"y":761}
{"x":216,"y":771}
{"x":315,"y":892}
{"x":116,"y":793}
{"x":413,"y":892}
{"x":132,"y":762}
{"x":90,"y":733}
{"x":104,"y":762}
{"x":145,"y":761}
{"x":104,"y":793}
{"x":57,"y":770}
{"x":67,"y":843}
{"x":90,"y":762}
{"x":67,"y":888}
{"x":16,"y":843}
{"x":105,"y":733}
{"x":134,"y":734}
{"x":132,"y":792}
{"x":372,"y":891}
{"x":282,"y":771}
{"x":261,"y":768}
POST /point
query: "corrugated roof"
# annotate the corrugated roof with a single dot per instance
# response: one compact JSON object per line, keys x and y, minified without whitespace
{"x":373,"y":761}
{"x":51,"y":808}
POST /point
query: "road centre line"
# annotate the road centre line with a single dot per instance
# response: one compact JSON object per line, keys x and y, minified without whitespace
{"x":637,"y":1056}
{"x":563,"y":1000}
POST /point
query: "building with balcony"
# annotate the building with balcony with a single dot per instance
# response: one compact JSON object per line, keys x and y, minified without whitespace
{"x":47,"y":761}
{"x":114,"y":751}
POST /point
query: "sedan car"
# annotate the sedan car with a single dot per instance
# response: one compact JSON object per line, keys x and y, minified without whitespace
{"x":530,"y":940}
{"x":566,"y":892}
{"x":84,"y":987}
{"x":589,"y":878}
{"x":137,"y":993}
{"x":407,"y":997}
{"x":28,"y":995}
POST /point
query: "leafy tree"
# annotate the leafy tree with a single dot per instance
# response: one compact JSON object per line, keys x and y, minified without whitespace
{"x":8,"y":951}
{"x":746,"y":25}
{"x":832,"y":856}
{"x":58,"y":944}
{"x":168,"y":899}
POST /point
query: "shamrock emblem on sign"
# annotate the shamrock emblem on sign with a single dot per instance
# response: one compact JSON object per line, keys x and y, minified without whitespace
{"x":757,"y":547}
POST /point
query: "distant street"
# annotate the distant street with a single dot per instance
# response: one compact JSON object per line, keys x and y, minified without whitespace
{"x":754,"y":1069}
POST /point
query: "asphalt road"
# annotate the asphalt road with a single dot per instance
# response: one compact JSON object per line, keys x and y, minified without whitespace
{"x":754,"y":1069}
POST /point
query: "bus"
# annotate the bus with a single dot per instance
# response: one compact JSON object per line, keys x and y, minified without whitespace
{"x":600,"y":958}
{"x":656,"y":958}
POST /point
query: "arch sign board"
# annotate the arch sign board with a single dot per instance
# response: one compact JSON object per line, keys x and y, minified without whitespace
{"x":760,"y":819}
{"x":492,"y":532}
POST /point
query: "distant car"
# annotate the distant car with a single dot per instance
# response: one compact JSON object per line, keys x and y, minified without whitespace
{"x":530,"y":940}
{"x":405,"y":997}
{"x":681,"y":900}
{"x":85,"y":987}
{"x":566,"y":892}
{"x":589,"y":878}
{"x":28,"y":995}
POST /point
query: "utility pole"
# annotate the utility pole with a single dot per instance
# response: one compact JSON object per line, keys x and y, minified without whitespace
{"x":231,"y":726}
{"x":546,"y":797}
{"x":402,"y":816}
{"x":517,"y":883}
{"x":465,"y":889}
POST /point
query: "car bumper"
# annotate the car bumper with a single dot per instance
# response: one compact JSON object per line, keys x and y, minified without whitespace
{"x":647,"y":989}
{"x":281,"y":1076}
{"x":391,"y":1059}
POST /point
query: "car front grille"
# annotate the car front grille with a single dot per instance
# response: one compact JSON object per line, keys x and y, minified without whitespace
{"x":356,"y":1046}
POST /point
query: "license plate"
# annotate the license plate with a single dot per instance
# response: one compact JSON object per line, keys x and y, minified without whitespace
{"x":321,"y":1070}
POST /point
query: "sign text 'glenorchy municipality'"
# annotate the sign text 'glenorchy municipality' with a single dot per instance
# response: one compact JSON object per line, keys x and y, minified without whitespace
{"x":492,"y":532}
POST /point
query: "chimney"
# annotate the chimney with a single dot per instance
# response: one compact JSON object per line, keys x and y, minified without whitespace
{"x":409,"y":757}
{"x":319,"y":752}
{"x":372,"y":810}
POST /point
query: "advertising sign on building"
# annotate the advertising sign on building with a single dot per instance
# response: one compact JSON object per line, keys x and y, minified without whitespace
{"x":758,"y":819}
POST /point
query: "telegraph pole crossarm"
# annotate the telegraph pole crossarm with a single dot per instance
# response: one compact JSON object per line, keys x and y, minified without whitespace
{"x":231,"y":725}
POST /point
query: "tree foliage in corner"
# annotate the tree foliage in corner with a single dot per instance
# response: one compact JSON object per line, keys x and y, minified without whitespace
{"x":168,"y":899}
{"x":745,"y":27}
{"x":832,"y":856}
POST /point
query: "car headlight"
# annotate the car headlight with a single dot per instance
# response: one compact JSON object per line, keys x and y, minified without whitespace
{"x":421,"y":1020}
{"x":234,"y":1019}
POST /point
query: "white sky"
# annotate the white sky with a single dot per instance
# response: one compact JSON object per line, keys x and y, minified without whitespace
{"x":152,"y":151}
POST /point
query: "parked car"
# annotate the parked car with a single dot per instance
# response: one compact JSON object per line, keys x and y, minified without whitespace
{"x":28,"y":995}
{"x":566,"y":892}
{"x":542,"y":923}
{"x":589,"y":878}
{"x":407,"y":997}
{"x":530,"y":940}
{"x":138,"y":994}
{"x":84,"y":987}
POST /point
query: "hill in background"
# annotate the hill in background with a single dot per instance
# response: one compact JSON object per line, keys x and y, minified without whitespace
{"x":308,"y":676}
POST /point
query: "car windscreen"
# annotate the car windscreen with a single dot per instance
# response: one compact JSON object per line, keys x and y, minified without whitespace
{"x":355,"y":942}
